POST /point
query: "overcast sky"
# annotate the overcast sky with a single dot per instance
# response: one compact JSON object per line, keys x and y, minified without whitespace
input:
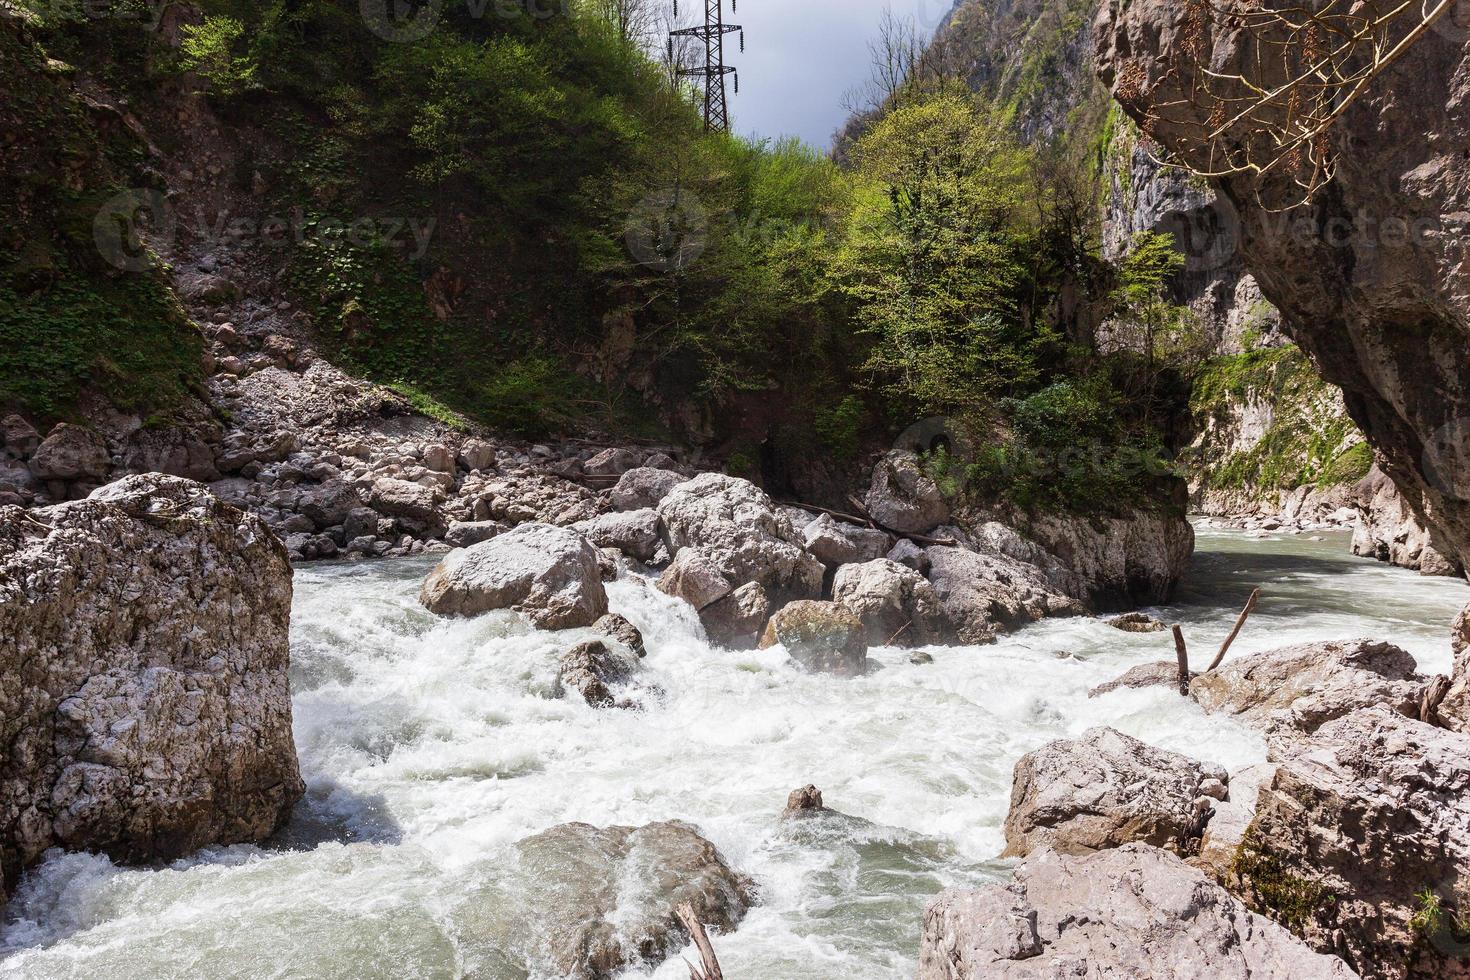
{"x":802,"y":58}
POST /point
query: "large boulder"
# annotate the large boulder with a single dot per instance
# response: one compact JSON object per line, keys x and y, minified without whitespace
{"x":1132,"y":912}
{"x":695,"y":578}
{"x":145,"y":710}
{"x":1106,"y":789}
{"x":737,"y":527}
{"x":644,"y":487}
{"x":1300,"y":688}
{"x":413,"y":503}
{"x":1118,"y":562}
{"x":70,"y":452}
{"x":1364,"y":826}
{"x":897,"y":605}
{"x":984,"y":596}
{"x":551,"y":575}
{"x":329,"y":504}
{"x":1370,"y":275}
{"x":820,"y":636}
{"x":903,"y":497}
{"x":835,"y":543}
{"x":605,"y":897}
{"x":636,"y":534}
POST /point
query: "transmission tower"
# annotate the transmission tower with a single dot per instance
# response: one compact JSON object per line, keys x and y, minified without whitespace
{"x":714,"y":69}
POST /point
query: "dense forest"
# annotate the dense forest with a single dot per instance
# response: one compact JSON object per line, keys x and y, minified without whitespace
{"x":518,"y":219}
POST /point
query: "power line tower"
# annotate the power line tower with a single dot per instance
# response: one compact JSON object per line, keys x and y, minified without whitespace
{"x":714,"y":69}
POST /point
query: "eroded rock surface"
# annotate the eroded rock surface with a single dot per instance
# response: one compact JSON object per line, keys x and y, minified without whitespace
{"x":983,"y":596}
{"x":903,"y":497}
{"x":1300,"y":688}
{"x":897,"y":605}
{"x":1132,"y":912}
{"x":144,"y":705}
{"x":1106,"y":789}
{"x":1359,"y":820}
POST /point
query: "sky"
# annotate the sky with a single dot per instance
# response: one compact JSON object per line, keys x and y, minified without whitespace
{"x":803,"y":58}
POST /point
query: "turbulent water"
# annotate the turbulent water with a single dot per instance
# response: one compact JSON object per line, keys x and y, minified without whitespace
{"x":430,"y":747}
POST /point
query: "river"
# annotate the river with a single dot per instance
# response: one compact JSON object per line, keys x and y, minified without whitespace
{"x":430,"y":747}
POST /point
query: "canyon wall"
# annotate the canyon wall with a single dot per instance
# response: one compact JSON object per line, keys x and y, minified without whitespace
{"x":1371,"y":273}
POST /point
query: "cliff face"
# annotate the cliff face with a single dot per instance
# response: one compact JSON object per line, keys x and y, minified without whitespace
{"x":1372,"y":274}
{"x":1035,"y":59}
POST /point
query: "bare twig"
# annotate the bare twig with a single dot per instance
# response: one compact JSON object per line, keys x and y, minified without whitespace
{"x":1245,"y":614}
{"x":710,"y":966}
{"x":1183,"y":651}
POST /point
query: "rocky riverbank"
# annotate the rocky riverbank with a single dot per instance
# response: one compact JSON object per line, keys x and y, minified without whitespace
{"x":1344,"y":856}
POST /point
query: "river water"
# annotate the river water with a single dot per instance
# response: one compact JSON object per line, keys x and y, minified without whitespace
{"x":430,"y":747}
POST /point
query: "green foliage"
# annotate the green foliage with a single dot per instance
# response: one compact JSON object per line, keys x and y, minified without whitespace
{"x":840,"y":427}
{"x":1311,"y":440}
{"x":1289,"y":899}
{"x":208,"y":50}
{"x":933,"y":262}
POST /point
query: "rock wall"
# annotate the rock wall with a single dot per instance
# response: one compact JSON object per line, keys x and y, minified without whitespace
{"x":1370,"y":274}
{"x":145,"y":710}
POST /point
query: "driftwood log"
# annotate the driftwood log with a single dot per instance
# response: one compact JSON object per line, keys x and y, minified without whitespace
{"x":709,"y":968}
{"x":1182,"y":651}
{"x":1245,"y":614}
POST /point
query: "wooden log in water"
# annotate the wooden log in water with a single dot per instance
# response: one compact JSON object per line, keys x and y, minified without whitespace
{"x":710,"y":966}
{"x":1182,"y":650}
{"x":1245,"y":614}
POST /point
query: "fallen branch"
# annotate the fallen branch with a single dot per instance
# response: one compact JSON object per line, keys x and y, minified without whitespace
{"x":1245,"y":614}
{"x":710,"y":965}
{"x":865,"y":518}
{"x":1182,"y":650}
{"x":1433,"y":697}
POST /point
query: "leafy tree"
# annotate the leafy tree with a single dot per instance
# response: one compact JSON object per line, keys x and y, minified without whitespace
{"x":207,"y":49}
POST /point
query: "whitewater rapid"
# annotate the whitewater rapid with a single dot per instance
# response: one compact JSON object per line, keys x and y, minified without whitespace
{"x":430,"y":747}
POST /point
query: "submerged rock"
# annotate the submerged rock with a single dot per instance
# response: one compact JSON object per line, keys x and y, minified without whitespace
{"x":551,"y":575}
{"x":145,"y":710}
{"x":820,"y":636}
{"x":1132,"y":912}
{"x":804,"y":801}
{"x":1160,"y":673}
{"x":1360,"y":821}
{"x":605,"y":897}
{"x":1300,"y":688}
{"x":1137,"y":622}
{"x":1104,"y":790}
{"x":592,"y":670}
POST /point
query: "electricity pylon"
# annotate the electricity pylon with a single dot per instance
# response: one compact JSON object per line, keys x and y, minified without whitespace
{"x":714,"y":69}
